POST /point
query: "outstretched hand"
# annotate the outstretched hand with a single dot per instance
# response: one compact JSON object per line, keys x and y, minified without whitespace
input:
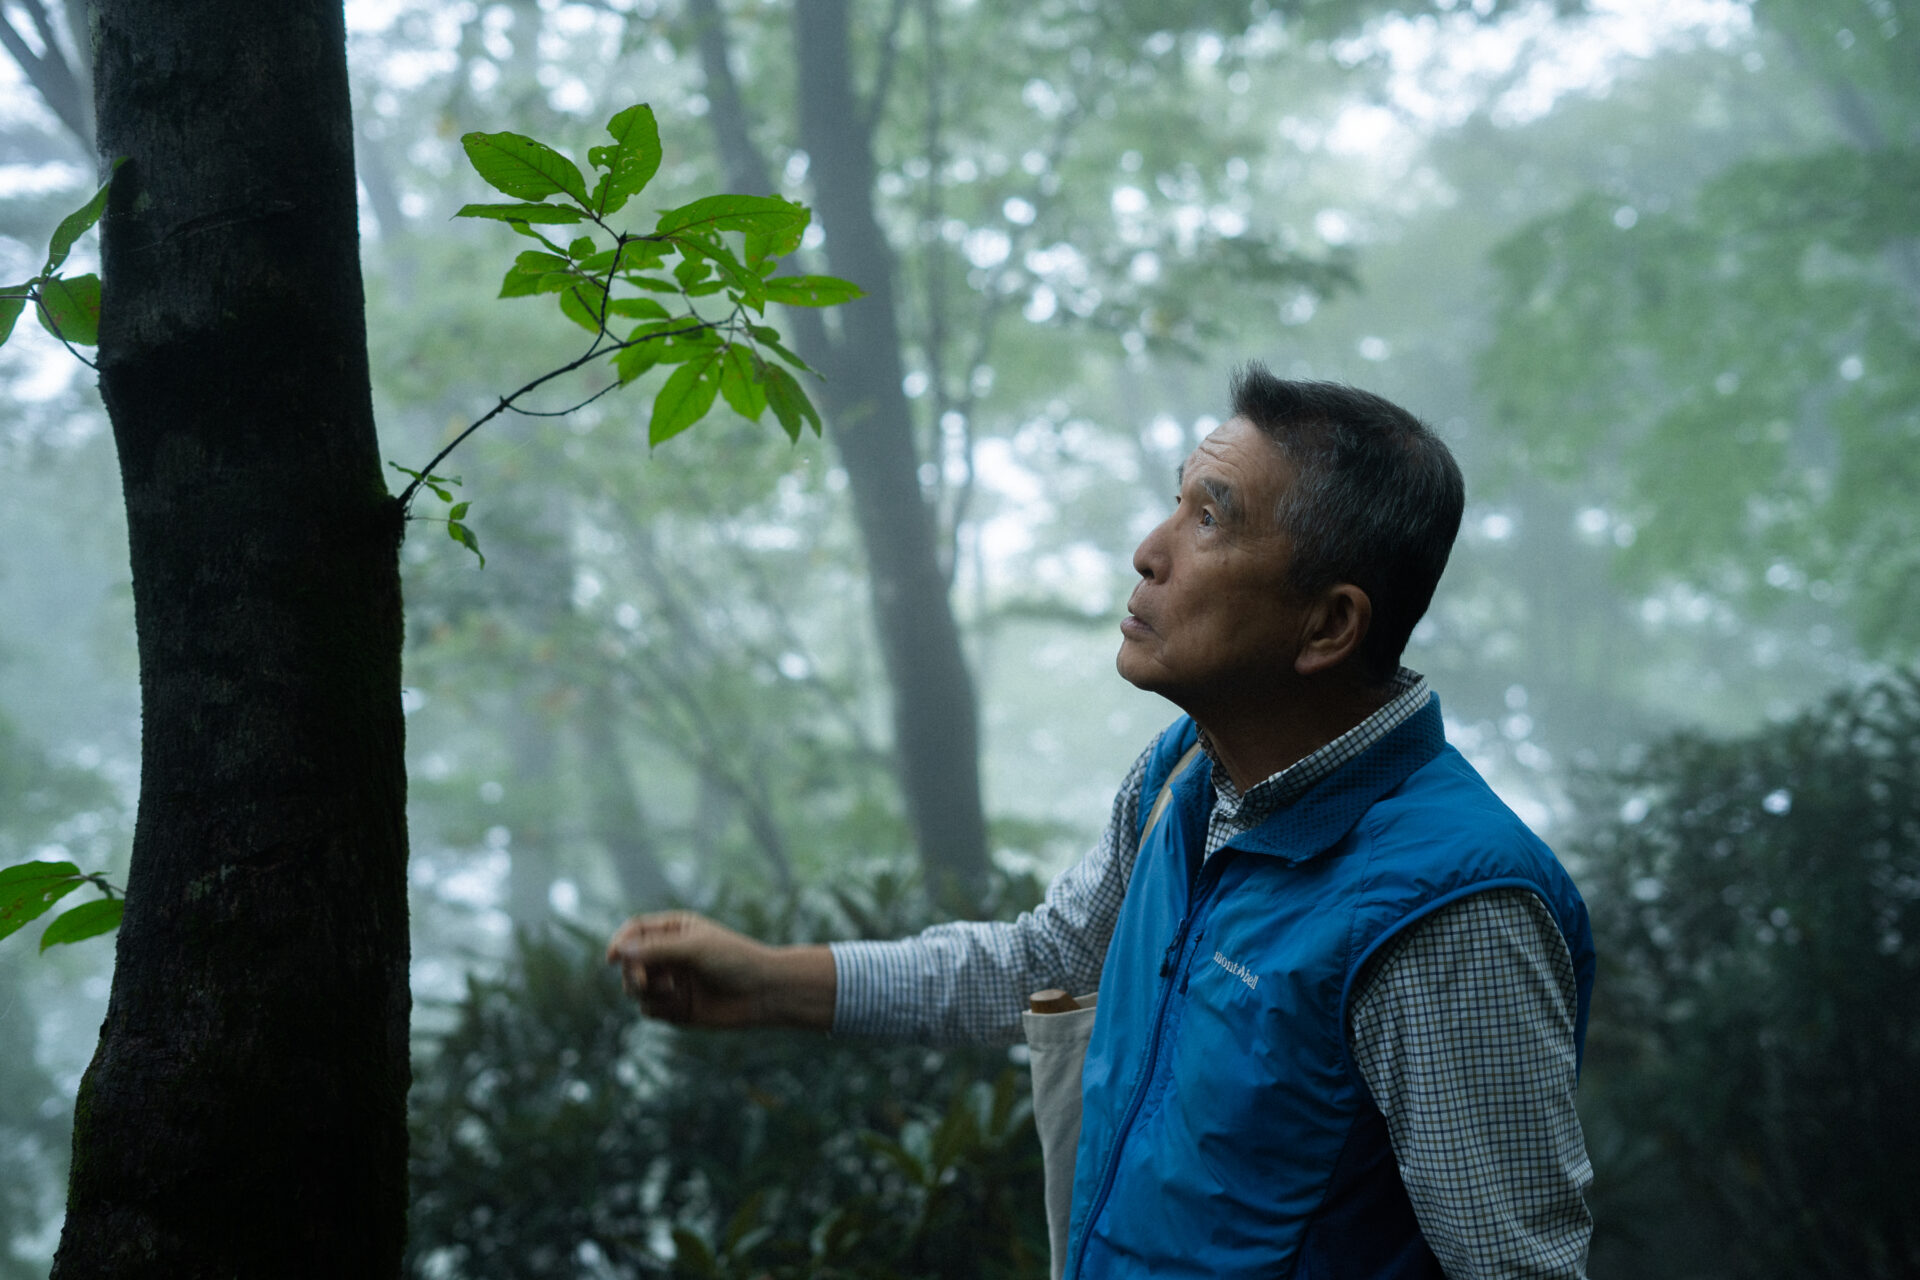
{"x":686,"y":969}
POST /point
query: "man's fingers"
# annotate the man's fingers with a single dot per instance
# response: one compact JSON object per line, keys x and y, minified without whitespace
{"x":668,"y":997}
{"x":643,"y":935}
{"x":656,"y":954}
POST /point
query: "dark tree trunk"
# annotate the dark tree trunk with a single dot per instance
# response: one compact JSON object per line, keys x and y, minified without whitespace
{"x":936,"y":731}
{"x":245,"y":1113}
{"x":934,"y":719}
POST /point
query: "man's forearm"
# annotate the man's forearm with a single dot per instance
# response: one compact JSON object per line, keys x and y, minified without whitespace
{"x":800,"y":987}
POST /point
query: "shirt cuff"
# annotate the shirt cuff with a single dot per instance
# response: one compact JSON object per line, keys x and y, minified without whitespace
{"x":863,"y":974}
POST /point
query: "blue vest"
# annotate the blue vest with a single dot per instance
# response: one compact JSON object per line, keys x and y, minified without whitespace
{"x":1226,"y":1131}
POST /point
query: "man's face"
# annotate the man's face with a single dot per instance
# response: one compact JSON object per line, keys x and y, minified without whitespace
{"x":1212,"y":617}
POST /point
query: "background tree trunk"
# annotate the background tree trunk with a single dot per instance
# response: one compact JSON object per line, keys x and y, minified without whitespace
{"x":245,"y":1113}
{"x":935,"y":722}
{"x":935,"y":719}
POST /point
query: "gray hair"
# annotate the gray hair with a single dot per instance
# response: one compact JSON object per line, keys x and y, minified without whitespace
{"x":1375,"y":500}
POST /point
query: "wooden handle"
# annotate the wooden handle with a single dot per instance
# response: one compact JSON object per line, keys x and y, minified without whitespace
{"x":1052,"y":1000}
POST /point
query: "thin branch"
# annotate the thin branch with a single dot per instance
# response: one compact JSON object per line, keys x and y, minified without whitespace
{"x":561,"y":413}
{"x":53,"y":327}
{"x":593,"y":352}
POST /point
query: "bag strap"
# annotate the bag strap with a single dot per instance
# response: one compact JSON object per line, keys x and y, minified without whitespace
{"x":1166,"y":792}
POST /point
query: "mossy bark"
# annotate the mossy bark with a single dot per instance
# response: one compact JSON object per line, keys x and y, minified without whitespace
{"x":245,"y":1113}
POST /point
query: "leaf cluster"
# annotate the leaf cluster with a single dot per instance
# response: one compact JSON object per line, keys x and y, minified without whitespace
{"x":28,"y":891}
{"x":68,"y":307}
{"x":691,"y":295}
{"x":552,"y":1131}
{"x":618,"y":285}
{"x":1741,"y":370}
{"x":1752,"y":1090}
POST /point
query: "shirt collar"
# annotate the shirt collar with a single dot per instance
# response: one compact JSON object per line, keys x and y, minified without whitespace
{"x":1409,"y":693}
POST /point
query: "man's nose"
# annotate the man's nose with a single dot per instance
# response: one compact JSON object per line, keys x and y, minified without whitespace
{"x":1149,"y":558}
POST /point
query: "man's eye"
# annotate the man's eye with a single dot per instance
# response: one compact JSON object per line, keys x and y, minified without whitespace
{"x":1206,"y":518}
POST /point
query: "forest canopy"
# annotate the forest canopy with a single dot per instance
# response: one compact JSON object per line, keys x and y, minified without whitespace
{"x":1649,"y":269}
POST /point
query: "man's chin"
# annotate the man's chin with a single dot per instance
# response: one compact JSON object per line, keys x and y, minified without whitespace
{"x":1137,"y":669}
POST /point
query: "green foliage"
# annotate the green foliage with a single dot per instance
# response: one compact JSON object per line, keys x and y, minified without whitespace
{"x":68,"y":307}
{"x":89,"y":920}
{"x":29,"y":889}
{"x":719,"y":354}
{"x":555,"y":1134}
{"x":35,"y":798}
{"x":1752,"y":1093}
{"x":1741,"y":374}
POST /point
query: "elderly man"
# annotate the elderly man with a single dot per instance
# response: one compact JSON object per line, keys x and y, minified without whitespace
{"x":1343,"y":989}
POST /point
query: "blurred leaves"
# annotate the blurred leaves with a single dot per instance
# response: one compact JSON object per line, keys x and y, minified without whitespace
{"x":1752,"y":1092}
{"x":1740,"y":372}
{"x":555,"y":1132}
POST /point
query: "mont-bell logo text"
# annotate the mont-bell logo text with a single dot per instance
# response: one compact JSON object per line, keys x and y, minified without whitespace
{"x":1238,"y":970}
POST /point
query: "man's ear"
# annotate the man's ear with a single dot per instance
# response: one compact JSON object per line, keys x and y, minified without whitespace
{"x":1336,"y":627}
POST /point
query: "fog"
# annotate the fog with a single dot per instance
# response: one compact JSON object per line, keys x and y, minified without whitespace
{"x":1650,"y":269}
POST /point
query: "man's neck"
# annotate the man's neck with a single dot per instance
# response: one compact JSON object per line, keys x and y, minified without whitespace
{"x":1253,"y":740}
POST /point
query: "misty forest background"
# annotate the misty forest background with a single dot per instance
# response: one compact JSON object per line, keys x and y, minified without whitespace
{"x":1652,"y":269}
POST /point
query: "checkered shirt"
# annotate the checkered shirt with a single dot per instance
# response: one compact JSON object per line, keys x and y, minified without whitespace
{"x":1462,"y":1027}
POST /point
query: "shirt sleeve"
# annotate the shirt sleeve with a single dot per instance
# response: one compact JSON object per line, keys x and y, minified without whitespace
{"x":968,"y":982}
{"x":1464,"y":1032}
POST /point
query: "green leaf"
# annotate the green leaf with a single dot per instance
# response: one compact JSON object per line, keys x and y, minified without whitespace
{"x":534,"y":261}
{"x":581,"y":302}
{"x":691,"y":271}
{"x":654,"y":283}
{"x":769,"y":337}
{"x":764,"y":214}
{"x":633,"y":158}
{"x":431,"y":481}
{"x":28,"y":888}
{"x":764,"y":246}
{"x":70,"y":308}
{"x":523,"y":168}
{"x":811,"y":291}
{"x":788,"y":401}
{"x":77,"y":223}
{"x":535,"y":272}
{"x":740,"y":382}
{"x":636,"y":254}
{"x":521,"y":212}
{"x":11,"y":305}
{"x":638,"y":309}
{"x":464,"y":536}
{"x":520,"y":228}
{"x":686,"y":397}
{"x":520,"y":284}
{"x":88,"y":920}
{"x":605,"y":200}
{"x":581,"y":248}
{"x":459,"y":511}
{"x":632,"y":361}
{"x":750,"y":286}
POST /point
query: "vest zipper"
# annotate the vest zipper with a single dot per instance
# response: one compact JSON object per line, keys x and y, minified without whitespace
{"x":1202,"y":886}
